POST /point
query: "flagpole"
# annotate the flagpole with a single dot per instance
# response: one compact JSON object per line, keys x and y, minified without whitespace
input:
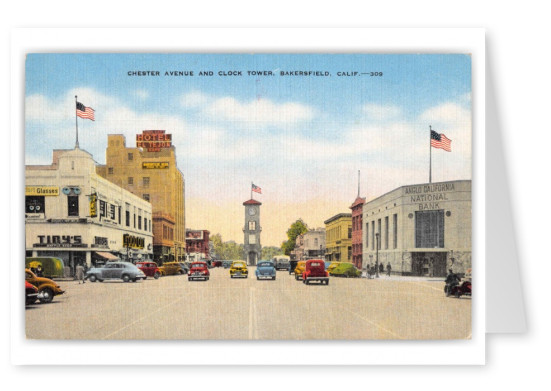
{"x":76,"y":120}
{"x":430,"y":154}
{"x":251,"y":190}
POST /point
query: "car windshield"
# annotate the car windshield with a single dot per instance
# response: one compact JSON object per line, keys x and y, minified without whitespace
{"x":315,"y":264}
{"x":238,"y":265}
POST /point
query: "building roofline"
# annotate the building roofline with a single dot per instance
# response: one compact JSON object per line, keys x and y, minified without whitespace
{"x":417,"y":184}
{"x":337,"y":216}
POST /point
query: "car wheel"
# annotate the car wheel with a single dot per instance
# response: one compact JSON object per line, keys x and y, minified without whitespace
{"x":273,"y":278}
{"x":30,"y":300}
{"x":125,"y":278}
{"x":92,"y":278}
{"x":145,"y":278}
{"x":156,"y":275}
{"x":134,"y":279}
{"x":326,"y":282}
{"x":47,"y":295}
{"x":206,"y":279}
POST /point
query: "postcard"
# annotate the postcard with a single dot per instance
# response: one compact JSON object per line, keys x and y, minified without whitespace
{"x":210,"y":198}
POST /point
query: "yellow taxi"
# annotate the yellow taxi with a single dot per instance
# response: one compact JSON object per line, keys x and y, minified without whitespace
{"x":238,"y":269}
{"x":301,"y":266}
{"x":332,"y":266}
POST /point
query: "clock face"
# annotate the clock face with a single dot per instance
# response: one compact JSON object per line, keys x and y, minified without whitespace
{"x":252,"y":211}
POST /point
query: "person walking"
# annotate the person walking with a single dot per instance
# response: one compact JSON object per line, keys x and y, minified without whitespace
{"x":388,"y":269}
{"x":80,"y":273}
{"x":381,"y":268}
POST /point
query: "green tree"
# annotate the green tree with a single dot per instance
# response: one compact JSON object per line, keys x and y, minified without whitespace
{"x":297,"y":228}
{"x":270,"y":252}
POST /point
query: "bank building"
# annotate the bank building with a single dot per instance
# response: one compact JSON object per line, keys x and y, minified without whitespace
{"x":74,"y":214}
{"x":420,"y":230}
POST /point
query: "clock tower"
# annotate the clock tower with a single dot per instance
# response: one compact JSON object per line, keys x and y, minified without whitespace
{"x":251,"y":231}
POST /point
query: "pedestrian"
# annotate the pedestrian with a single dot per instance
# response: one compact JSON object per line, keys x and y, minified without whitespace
{"x":381,"y":268}
{"x":80,"y":273}
{"x":388,"y":269}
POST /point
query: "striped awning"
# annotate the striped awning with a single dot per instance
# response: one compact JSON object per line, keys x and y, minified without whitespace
{"x":107,"y":256}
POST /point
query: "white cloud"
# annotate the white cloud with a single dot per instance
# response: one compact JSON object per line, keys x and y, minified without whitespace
{"x":194,"y":99}
{"x":381,"y":112}
{"x":142,"y":94}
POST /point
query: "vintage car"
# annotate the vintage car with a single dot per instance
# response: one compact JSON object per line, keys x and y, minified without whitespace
{"x":239,"y":269}
{"x":265,"y":270}
{"x":47,"y":288}
{"x":301,"y":265}
{"x":52,"y":267}
{"x":31,"y":293}
{"x":226,"y":264}
{"x":150,"y":269}
{"x":119,"y":270}
{"x":281,"y":262}
{"x":345,"y":269}
{"x":315,"y":271}
{"x":172,"y":268}
{"x":216,"y":263}
{"x":198,"y":271}
{"x":332,"y":265}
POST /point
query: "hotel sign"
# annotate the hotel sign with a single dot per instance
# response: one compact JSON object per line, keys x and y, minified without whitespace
{"x":154,"y":165}
{"x":153,"y":140}
{"x":41,"y":190}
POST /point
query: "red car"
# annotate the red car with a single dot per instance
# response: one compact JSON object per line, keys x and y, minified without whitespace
{"x":198,"y":271}
{"x":150,"y":269}
{"x":31,"y":293}
{"x":314,"y":270}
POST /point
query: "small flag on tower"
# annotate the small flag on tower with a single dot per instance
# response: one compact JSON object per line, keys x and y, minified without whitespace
{"x":439,"y":140}
{"x":256,"y":189}
{"x":85,"y":112}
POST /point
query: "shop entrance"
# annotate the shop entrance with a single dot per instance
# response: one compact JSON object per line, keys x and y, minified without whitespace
{"x":429,"y":264}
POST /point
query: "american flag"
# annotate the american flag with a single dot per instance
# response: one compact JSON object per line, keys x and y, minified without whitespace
{"x":256,"y":189}
{"x":85,"y":112}
{"x":439,"y":140}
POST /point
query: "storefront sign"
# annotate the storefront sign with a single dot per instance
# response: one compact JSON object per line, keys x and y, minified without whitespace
{"x":133,"y":241}
{"x":427,"y":196}
{"x":100,"y":242}
{"x":93,"y":205}
{"x":154,"y":165}
{"x":41,"y":191}
{"x":58,"y":241}
{"x":153,"y":140}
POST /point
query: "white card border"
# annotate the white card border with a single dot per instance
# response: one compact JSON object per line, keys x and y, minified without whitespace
{"x":247,"y":40}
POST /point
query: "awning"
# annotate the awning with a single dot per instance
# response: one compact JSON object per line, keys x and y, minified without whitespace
{"x":107,"y":256}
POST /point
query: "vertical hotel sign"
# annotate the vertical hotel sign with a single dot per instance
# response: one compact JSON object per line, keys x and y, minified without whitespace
{"x":153,"y":140}
{"x":93,"y":205}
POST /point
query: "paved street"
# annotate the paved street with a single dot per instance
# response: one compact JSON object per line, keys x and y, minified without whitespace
{"x":237,"y":309}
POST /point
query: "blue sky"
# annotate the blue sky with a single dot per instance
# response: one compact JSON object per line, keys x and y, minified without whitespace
{"x":301,"y":138}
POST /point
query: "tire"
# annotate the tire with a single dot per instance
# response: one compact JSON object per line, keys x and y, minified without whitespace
{"x":145,"y":278}
{"x":92,"y":278}
{"x":296,"y":277}
{"x":207,"y":279}
{"x":134,"y":279}
{"x":30,"y":300}
{"x":326,"y":282}
{"x":273,"y":278}
{"x":125,"y":278}
{"x":157,"y":275}
{"x":48,"y":294}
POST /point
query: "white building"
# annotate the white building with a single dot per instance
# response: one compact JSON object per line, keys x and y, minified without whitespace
{"x":76,"y":215}
{"x":421,"y":230}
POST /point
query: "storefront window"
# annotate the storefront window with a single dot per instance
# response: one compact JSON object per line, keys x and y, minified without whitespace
{"x":34,"y":204}
{"x":72,"y":205}
{"x":429,"y":229}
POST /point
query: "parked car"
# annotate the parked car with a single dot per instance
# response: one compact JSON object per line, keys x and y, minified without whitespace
{"x":172,"y":268}
{"x":52,"y":267}
{"x":47,"y":288}
{"x":31,"y":293}
{"x":150,"y":269}
{"x":265,"y":270}
{"x":217,"y":263}
{"x":226,"y":264}
{"x":332,"y":266}
{"x":125,"y":271}
{"x":198,"y":271}
{"x":345,"y":269}
{"x":239,"y":269}
{"x":281,"y":262}
{"x":184,"y":266}
{"x":301,"y":265}
{"x":315,"y":271}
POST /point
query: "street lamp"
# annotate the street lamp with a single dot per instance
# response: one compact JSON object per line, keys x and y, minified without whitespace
{"x":377,"y":256}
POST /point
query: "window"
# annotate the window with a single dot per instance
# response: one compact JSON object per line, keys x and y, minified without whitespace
{"x":34,"y":204}
{"x":134,"y":219}
{"x":395,"y":230}
{"x":110,"y":170}
{"x":367,"y":235}
{"x":130,"y":180}
{"x":139,"y":222}
{"x":146,"y":197}
{"x":373,"y":235}
{"x":112,"y":212}
{"x":252,"y":239}
{"x":120,"y":214}
{"x":145,"y":181}
{"x":72,"y":205}
{"x":349,"y":252}
{"x":349,"y":232}
{"x":379,"y":232}
{"x":144,"y":224}
{"x":130,"y":156}
{"x":386,"y":232}
{"x":102,"y":209}
{"x":252,"y":225}
{"x":429,"y":229}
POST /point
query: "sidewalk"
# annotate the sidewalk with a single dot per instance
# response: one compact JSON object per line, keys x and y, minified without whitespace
{"x":396,"y":277}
